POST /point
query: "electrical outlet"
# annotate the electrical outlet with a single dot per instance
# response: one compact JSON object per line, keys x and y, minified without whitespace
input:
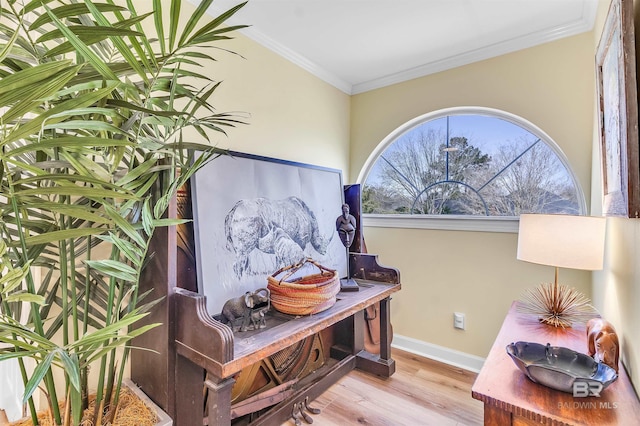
{"x":458,"y":320}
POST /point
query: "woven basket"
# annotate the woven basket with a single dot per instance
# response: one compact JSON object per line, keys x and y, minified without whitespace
{"x":306,"y":295}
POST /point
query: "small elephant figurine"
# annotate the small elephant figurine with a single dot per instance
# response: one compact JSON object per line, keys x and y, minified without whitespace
{"x":257,"y":318}
{"x":602,"y":342}
{"x":240,"y":307}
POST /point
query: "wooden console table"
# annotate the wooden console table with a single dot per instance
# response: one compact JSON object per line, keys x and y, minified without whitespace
{"x":195,"y":339}
{"x":510,"y":398}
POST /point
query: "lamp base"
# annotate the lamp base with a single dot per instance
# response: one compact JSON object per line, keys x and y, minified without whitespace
{"x":557,"y":305}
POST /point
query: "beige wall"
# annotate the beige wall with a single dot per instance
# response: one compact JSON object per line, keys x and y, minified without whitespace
{"x":616,"y":289}
{"x":477,"y":272}
{"x":292,"y":114}
{"x":295,"y":116}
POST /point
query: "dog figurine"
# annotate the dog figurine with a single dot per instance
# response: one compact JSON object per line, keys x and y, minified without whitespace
{"x":602,"y":342}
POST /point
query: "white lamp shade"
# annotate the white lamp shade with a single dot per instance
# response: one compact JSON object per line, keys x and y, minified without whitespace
{"x":575,"y":242}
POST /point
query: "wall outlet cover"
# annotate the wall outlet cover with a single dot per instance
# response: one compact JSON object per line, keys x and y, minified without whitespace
{"x":458,"y":320}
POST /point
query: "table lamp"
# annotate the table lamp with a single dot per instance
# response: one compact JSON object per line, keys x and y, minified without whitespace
{"x":562,"y":241}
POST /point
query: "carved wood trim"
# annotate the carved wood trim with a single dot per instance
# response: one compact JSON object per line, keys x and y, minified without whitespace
{"x":366,"y":267}
{"x":212,"y":339}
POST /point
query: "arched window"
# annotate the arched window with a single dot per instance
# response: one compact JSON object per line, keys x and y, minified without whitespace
{"x":469,"y":162}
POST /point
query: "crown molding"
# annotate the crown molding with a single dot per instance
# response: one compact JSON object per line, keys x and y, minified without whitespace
{"x":297,"y":59}
{"x":509,"y":46}
{"x":584,"y":24}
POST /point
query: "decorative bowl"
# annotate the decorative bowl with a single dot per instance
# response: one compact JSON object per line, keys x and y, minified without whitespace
{"x":557,"y":367}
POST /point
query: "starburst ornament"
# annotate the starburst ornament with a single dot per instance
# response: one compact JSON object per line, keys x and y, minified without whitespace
{"x":556,"y":304}
{"x":575,"y":242}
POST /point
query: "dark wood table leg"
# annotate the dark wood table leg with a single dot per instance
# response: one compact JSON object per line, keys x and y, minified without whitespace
{"x":190,"y":396}
{"x":383,"y":364}
{"x":385,"y":329}
{"x":219,"y":400}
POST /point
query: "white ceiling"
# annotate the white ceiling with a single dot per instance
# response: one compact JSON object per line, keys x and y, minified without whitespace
{"x":360,"y":45}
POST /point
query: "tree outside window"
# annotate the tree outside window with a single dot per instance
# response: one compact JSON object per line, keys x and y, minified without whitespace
{"x":470,"y":164}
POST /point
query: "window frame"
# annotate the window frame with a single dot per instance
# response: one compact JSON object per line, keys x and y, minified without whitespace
{"x":459,"y":222}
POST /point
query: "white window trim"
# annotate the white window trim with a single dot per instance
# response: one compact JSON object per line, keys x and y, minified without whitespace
{"x":507,"y":224}
{"x":455,"y":222}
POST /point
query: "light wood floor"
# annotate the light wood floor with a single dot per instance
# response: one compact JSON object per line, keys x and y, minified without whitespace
{"x":422,"y":392}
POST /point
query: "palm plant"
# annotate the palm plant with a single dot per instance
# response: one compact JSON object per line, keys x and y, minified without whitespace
{"x":98,"y":122}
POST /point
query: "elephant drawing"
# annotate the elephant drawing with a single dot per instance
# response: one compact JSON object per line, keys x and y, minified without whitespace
{"x":279,"y":227}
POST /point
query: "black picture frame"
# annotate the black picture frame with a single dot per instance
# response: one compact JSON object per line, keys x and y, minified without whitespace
{"x":237,"y":203}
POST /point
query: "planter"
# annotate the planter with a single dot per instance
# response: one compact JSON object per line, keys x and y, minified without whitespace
{"x":163,"y":418}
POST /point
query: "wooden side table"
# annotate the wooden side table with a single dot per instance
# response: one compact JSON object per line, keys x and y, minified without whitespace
{"x":510,"y":398}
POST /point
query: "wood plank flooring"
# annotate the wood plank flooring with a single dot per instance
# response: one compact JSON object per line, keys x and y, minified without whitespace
{"x":422,"y":392}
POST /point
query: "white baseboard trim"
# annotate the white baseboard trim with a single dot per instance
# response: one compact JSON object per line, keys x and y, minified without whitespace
{"x":438,"y":353}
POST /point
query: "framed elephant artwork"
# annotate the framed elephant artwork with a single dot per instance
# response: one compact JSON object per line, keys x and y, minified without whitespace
{"x":253,"y":215}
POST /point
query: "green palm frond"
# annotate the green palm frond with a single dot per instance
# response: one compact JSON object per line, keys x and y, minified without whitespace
{"x":100,"y":117}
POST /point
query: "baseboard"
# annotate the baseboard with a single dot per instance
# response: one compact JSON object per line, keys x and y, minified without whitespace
{"x":438,"y":353}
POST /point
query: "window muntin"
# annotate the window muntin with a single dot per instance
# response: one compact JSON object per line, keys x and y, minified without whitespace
{"x":469,"y":162}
